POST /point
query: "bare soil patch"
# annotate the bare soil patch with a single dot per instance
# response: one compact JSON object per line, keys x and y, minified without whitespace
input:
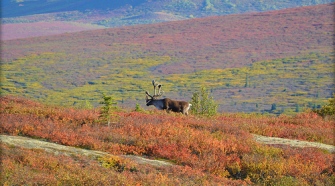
{"x":54,"y":148}
{"x":293,"y":143}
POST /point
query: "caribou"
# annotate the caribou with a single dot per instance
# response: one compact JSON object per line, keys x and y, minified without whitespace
{"x":166,"y":103}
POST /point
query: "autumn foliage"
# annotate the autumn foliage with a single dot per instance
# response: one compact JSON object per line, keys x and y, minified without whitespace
{"x":205,"y":151}
{"x":249,"y":62}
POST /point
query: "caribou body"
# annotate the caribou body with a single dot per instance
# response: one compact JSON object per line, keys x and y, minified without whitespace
{"x":166,"y":103}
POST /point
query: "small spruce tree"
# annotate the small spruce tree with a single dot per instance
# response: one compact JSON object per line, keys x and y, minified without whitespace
{"x":246,"y":81}
{"x":138,"y":108}
{"x":203,"y":104}
{"x":109,"y":105}
{"x":297,"y":108}
{"x":195,"y":108}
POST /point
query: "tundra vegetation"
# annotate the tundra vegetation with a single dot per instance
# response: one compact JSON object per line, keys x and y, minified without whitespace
{"x":293,"y":82}
{"x":279,"y":70}
{"x":203,"y":103}
{"x":327,"y":110}
{"x":248,"y":62}
{"x":205,"y":150}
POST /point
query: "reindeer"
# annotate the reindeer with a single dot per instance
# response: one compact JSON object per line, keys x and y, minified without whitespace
{"x":166,"y":103}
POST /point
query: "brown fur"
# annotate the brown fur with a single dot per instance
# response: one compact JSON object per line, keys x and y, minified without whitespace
{"x":170,"y":105}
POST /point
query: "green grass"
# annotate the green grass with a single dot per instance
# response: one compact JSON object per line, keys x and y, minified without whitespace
{"x":55,"y":78}
{"x":305,"y":80}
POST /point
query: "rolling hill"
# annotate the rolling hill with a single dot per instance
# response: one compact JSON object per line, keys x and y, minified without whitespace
{"x":131,"y":12}
{"x":42,"y":18}
{"x":249,"y":62}
{"x":36,"y":29}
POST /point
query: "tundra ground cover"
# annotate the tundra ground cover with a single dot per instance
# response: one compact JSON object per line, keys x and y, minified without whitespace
{"x":43,"y":28}
{"x":221,"y":148}
{"x":278,"y":62}
{"x":293,"y":83}
{"x":26,"y":167}
{"x":286,"y":61}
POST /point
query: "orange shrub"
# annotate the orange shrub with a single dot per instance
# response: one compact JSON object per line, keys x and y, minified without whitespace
{"x":221,"y":148}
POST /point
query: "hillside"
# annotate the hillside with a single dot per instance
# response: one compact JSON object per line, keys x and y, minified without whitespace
{"x":248,"y":62}
{"x":202,"y":151}
{"x":36,"y":29}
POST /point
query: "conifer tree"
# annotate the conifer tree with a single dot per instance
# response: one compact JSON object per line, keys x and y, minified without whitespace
{"x":109,"y":105}
{"x":203,"y":104}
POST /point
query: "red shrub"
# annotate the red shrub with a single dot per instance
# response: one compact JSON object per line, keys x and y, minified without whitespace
{"x":220,"y":147}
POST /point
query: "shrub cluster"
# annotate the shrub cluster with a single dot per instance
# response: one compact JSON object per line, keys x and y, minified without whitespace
{"x":210,"y":150}
{"x":203,"y":104}
{"x":328,"y":109}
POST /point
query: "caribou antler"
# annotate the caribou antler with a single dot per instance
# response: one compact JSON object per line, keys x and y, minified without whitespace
{"x":155,"y":84}
{"x":160,"y":92}
{"x":147,"y":93}
{"x":156,"y":95}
